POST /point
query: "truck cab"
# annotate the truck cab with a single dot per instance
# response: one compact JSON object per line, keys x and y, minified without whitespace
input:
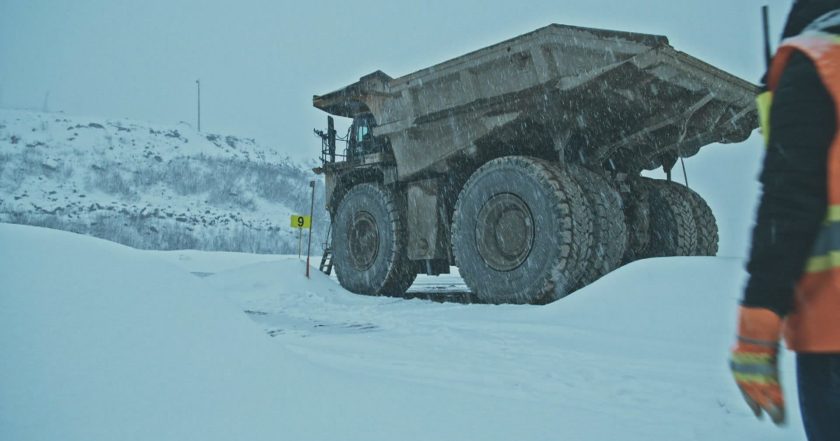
{"x":361,"y":146}
{"x":360,"y":141}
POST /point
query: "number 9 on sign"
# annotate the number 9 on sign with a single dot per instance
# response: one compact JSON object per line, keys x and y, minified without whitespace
{"x":299,"y":221}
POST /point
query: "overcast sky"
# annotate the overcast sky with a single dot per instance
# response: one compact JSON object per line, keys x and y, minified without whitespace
{"x":260,"y":61}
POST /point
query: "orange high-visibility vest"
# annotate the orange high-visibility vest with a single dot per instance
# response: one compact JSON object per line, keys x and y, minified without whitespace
{"x":814,"y":323}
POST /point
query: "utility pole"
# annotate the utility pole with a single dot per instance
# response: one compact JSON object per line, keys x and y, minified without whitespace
{"x":311,"y":210}
{"x":198,"y":85}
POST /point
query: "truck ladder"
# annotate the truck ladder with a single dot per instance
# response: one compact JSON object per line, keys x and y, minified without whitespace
{"x":327,"y":259}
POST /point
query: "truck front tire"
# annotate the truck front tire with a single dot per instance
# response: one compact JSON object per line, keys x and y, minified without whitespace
{"x":369,"y":243}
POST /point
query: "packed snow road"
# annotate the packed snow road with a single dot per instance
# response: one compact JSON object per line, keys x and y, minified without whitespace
{"x":126,"y":344}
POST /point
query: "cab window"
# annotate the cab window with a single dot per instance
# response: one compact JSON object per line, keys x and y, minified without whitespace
{"x":362,"y":132}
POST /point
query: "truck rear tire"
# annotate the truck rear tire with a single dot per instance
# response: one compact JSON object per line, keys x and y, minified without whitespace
{"x":521,"y":231}
{"x":673,"y":231}
{"x":369,"y":243}
{"x":609,"y":230}
{"x":704,"y":220}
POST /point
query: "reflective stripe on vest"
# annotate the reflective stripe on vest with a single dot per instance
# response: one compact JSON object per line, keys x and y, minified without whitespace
{"x":814,"y":323}
{"x":825,"y":254}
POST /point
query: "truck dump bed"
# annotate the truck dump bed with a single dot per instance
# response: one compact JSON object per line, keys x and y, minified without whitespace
{"x":602,"y":96}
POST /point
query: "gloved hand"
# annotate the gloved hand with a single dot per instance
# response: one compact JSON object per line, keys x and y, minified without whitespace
{"x":754,"y":362}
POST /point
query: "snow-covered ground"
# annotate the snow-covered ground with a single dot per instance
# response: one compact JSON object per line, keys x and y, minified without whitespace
{"x":103,"y":342}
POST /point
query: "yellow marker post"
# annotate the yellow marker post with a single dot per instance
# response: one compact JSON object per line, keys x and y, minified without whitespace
{"x":300,"y":222}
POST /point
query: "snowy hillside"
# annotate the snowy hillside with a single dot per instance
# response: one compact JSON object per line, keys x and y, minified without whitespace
{"x":102,"y":342}
{"x":150,"y":186}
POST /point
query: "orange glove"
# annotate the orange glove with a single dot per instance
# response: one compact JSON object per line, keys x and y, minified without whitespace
{"x":754,"y":362}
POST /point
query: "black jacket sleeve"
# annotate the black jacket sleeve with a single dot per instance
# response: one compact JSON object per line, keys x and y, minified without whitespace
{"x":794,"y":199}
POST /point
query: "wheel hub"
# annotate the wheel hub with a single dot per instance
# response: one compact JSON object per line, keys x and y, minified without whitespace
{"x":363,"y":240}
{"x":504,"y":232}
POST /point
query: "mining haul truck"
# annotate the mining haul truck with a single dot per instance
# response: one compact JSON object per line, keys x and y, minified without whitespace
{"x":520,"y":163}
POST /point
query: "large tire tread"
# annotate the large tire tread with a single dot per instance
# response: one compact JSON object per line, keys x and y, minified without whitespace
{"x":609,"y":230}
{"x":704,"y":219}
{"x":673,"y":231}
{"x":567,"y":207}
{"x":401,"y":271}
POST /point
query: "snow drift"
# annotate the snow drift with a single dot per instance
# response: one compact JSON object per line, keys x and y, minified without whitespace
{"x":103,"y":342}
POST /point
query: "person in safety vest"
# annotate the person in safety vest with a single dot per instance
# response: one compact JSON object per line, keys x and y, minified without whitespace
{"x":794,"y":285}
